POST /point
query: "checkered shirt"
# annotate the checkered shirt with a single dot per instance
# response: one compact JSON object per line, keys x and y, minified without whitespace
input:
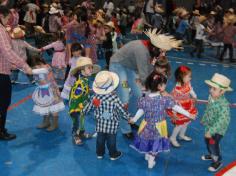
{"x":107,"y":111}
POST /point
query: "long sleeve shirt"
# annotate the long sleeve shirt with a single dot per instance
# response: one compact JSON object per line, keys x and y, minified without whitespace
{"x":217,"y":116}
{"x":7,"y":56}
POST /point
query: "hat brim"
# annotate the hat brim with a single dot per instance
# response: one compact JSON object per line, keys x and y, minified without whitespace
{"x":210,"y":83}
{"x":96,"y":68}
{"x":115,"y":79}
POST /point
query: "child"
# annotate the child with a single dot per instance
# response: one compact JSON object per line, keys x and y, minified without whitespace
{"x":216,"y":119}
{"x":107,"y":110}
{"x":76,"y":50}
{"x":20,"y":46}
{"x":46,"y":96}
{"x":59,"y":55}
{"x":79,"y":97}
{"x":183,"y":94}
{"x":200,"y":29}
{"x":152,"y":136}
{"x":162,"y":66}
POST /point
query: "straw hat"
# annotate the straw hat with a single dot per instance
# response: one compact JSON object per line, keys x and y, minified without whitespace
{"x":163,"y":41}
{"x":158,"y":8}
{"x":105,"y":82}
{"x":45,"y":5}
{"x":17,"y":33}
{"x":219,"y":81}
{"x":230,"y":19}
{"x":110,"y":24}
{"x":202,"y":18}
{"x":85,"y":61}
{"x":53,"y":10}
{"x":178,"y":10}
{"x":212,"y":13}
{"x":196,"y":12}
{"x":231,"y":10}
{"x":100,"y":19}
{"x":39,"y":29}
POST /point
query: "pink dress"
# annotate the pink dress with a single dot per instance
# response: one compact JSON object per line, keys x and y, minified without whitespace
{"x":59,"y":55}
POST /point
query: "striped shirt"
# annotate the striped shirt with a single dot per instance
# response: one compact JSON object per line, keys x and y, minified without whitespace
{"x":107,"y":111}
{"x":7,"y":56}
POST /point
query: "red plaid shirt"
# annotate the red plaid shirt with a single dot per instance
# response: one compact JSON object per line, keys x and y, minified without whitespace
{"x":8,"y":57}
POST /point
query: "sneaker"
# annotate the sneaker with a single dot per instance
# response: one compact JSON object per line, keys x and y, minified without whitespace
{"x":117,"y":156}
{"x":151,"y":164}
{"x":185,"y":138}
{"x":174,"y":143}
{"x":206,"y":157}
{"x":215,"y":166}
{"x":99,"y":156}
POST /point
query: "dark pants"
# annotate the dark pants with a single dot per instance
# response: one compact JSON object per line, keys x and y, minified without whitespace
{"x":108,"y":55}
{"x":109,"y":140}
{"x":213,"y":147}
{"x":5,"y":99}
{"x":198,"y":47}
{"x":230,"y":47}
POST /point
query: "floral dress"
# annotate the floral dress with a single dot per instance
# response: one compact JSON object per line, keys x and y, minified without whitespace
{"x":47,"y":95}
{"x":181,"y":94}
{"x":152,"y":135}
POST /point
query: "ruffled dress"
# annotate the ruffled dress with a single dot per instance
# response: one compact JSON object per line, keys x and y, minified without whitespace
{"x":152,"y":136}
{"x":47,"y":95}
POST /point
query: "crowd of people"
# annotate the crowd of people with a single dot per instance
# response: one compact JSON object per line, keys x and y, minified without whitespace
{"x":76,"y":37}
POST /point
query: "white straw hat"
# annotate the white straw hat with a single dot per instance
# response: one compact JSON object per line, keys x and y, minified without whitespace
{"x":219,"y":81}
{"x":53,"y":10}
{"x":17,"y":33}
{"x":105,"y":82}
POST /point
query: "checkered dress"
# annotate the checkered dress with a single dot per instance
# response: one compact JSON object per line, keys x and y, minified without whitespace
{"x":107,"y":110}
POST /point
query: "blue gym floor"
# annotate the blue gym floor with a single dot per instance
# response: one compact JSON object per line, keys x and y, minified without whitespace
{"x":39,"y":153}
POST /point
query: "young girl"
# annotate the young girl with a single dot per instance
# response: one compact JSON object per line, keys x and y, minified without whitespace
{"x":185,"y":96}
{"x":79,"y":97}
{"x":162,"y":66}
{"x":76,"y":50}
{"x":59,"y":55}
{"x":152,"y":136}
{"x":46,"y":96}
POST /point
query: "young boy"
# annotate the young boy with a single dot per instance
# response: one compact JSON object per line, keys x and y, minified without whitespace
{"x":107,"y":110}
{"x":79,"y":96}
{"x":216,"y":119}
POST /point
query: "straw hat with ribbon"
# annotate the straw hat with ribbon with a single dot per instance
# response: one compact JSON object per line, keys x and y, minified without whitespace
{"x":39,"y":29}
{"x":219,"y":81}
{"x":85,"y":61}
{"x":53,"y":10}
{"x":162,"y":41}
{"x":17,"y":33}
{"x":105,"y":82}
{"x":196,"y":12}
{"x":110,"y":24}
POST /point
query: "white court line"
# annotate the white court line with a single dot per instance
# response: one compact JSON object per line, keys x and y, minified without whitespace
{"x":202,"y":64}
{"x":179,"y":62}
{"x":190,"y":63}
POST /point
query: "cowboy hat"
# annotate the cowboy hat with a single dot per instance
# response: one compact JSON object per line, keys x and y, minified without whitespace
{"x":85,"y":61}
{"x":230,"y":19}
{"x":212,"y":13}
{"x":100,"y":19}
{"x":162,"y":41}
{"x":219,"y":81}
{"x":231,"y":10}
{"x":17,"y":33}
{"x":39,"y":29}
{"x":202,"y":18}
{"x":105,"y":82}
{"x":53,"y":10}
{"x":110,"y":24}
{"x":45,"y":5}
{"x":196,"y":12}
{"x":158,"y":8}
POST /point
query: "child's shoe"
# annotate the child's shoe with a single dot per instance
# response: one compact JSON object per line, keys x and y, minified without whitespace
{"x":45,"y":123}
{"x":99,"y":157}
{"x":185,"y":138}
{"x":174,"y":142}
{"x":151,"y":164}
{"x":215,"y":166}
{"x":146,"y":157}
{"x":54,"y":124}
{"x":206,"y":157}
{"x":116,"y":156}
{"x":77,"y":140}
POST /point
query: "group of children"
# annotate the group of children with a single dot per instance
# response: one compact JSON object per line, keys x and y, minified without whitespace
{"x":152,"y":136}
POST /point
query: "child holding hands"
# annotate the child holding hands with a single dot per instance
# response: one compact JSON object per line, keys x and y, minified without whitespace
{"x":216,"y":119}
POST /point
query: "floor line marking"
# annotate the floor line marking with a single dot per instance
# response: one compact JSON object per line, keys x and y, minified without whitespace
{"x":23,"y":100}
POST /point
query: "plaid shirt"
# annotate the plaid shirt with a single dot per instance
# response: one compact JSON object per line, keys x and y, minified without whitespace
{"x":7,"y":56}
{"x":108,"y":110}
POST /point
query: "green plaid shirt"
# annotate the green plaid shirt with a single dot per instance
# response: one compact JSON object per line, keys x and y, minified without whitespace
{"x":217,"y":116}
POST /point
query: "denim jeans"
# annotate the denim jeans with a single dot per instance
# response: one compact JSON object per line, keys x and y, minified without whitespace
{"x":213,"y":147}
{"x":127,"y":82}
{"x":106,"y":139}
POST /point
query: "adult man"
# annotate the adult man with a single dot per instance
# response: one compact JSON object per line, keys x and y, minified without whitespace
{"x":7,"y":58}
{"x":132,"y":63}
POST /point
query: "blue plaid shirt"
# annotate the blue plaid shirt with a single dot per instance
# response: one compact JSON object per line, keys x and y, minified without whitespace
{"x":107,"y":111}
